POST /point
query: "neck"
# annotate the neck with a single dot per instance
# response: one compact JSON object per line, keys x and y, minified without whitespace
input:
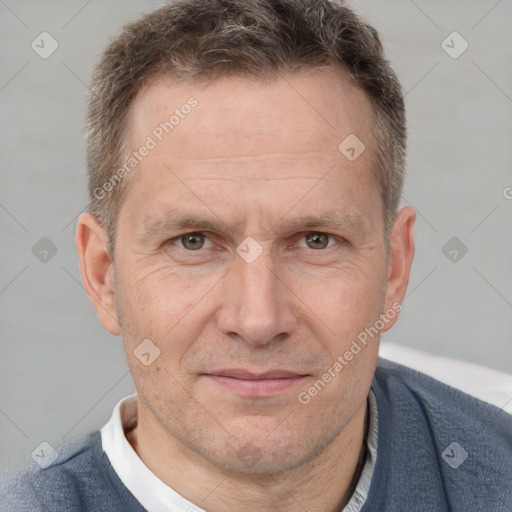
{"x":324,"y":484}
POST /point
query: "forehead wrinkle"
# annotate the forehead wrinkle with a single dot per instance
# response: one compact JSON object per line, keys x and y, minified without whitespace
{"x":252,"y":178}
{"x":208,"y":168}
{"x":262,"y":157}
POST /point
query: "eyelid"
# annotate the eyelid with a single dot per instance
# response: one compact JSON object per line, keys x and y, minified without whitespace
{"x":332,"y":237}
{"x":178,"y":238}
{"x":301,"y":236}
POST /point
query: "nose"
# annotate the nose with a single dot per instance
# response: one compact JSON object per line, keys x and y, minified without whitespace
{"x":258,"y":305}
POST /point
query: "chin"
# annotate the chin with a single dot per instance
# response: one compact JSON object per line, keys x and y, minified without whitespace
{"x":261,"y":459}
{"x":261,"y":447}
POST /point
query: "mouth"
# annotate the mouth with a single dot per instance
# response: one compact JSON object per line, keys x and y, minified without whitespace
{"x":247,"y":383}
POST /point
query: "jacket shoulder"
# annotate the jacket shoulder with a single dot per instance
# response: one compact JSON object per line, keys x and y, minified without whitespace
{"x":78,"y":480}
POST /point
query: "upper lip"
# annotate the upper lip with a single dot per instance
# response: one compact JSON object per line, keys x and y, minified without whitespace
{"x":240,"y":373}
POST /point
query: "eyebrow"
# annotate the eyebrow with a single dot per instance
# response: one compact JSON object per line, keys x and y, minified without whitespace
{"x":351,"y":222}
{"x":330,"y":220}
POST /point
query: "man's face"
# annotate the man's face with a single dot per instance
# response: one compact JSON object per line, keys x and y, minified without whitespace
{"x":250,"y":251}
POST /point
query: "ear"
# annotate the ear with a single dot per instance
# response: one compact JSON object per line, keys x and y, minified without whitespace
{"x":401,"y":254}
{"x":97,"y":270}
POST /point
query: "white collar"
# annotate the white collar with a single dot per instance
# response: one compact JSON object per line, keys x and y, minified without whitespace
{"x":153,"y":494}
{"x":156,"y":496}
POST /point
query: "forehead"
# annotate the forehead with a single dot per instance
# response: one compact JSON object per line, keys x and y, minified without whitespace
{"x":313,"y":109}
{"x":233,"y":131}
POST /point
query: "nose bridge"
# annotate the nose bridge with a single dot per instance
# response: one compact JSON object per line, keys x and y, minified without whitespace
{"x":257,"y":282}
{"x":256,"y":305}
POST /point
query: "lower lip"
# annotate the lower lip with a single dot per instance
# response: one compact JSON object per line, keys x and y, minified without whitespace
{"x":259,"y":387}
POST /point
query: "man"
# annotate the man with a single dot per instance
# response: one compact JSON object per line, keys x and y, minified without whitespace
{"x":245,"y":163}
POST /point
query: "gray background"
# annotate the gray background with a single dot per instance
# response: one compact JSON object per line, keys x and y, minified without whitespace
{"x":61,"y":374}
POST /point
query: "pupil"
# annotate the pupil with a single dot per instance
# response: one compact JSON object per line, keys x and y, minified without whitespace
{"x":318,"y":241}
{"x":192,"y":242}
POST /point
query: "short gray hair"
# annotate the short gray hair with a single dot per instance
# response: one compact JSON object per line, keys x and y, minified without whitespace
{"x":204,"y":40}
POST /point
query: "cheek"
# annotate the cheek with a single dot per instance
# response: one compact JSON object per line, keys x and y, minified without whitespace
{"x":157,"y":297}
{"x":156,"y":309}
{"x":349,"y":297}
{"x":351,"y":308}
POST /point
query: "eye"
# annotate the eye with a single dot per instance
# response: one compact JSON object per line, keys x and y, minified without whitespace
{"x":192,"y":241}
{"x":318,"y":240}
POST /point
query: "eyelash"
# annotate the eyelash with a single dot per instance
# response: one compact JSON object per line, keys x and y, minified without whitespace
{"x":303,"y":236}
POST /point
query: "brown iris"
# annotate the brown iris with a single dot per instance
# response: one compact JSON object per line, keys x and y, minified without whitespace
{"x":317,"y":240}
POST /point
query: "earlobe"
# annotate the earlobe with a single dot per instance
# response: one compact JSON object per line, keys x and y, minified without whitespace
{"x":97,"y":270}
{"x":401,"y":254}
